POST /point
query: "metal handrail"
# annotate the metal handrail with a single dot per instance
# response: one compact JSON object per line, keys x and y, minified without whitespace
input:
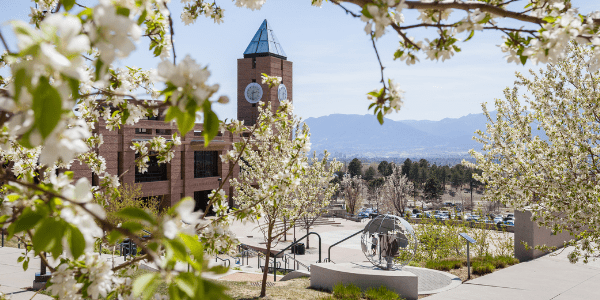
{"x":289,"y":256}
{"x":295,"y":243}
{"x":339,"y":242}
{"x":225,"y":259}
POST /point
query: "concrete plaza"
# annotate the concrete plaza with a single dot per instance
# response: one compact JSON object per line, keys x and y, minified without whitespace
{"x":545,"y":278}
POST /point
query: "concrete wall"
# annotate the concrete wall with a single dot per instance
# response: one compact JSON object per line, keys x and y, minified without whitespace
{"x":534,"y":235}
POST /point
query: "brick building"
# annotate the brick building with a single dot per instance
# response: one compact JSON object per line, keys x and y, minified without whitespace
{"x":196,"y":170}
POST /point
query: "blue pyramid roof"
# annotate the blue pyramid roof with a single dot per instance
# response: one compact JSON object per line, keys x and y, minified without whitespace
{"x":265,"y":43}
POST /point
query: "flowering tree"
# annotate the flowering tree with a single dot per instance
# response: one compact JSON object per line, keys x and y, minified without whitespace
{"x":541,"y":152}
{"x":354,"y":190}
{"x":396,"y":189}
{"x":277,"y":181}
{"x":316,"y":189}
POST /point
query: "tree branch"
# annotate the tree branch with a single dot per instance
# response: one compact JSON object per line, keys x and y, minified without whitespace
{"x":172,"y":34}
{"x":4,"y":43}
{"x":466,"y":6}
{"x":379,"y":59}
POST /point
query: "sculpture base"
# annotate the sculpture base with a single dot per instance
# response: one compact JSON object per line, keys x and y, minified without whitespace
{"x":326,"y":276}
{"x":40,"y":280}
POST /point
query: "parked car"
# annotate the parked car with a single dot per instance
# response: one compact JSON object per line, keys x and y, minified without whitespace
{"x":498,"y":220}
{"x":510,"y":222}
{"x":441,"y":217}
{"x":473,"y":218}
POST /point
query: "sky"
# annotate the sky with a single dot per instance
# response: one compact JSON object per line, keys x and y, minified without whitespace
{"x":334,"y":61}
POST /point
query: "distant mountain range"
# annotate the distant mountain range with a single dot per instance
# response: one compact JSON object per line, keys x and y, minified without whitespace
{"x":349,"y":136}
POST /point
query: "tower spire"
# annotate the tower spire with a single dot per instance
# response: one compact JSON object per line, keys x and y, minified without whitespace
{"x":265,"y":43}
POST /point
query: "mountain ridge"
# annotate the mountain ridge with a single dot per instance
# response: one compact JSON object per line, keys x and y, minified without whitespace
{"x":346,"y":135}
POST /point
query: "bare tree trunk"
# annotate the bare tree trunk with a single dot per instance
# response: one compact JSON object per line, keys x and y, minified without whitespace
{"x":263,"y":289}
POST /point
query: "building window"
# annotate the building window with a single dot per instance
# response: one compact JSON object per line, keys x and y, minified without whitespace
{"x":254,"y":63}
{"x":282,"y":65}
{"x":153,"y":118}
{"x":164,"y":131}
{"x":201,"y":199}
{"x":143,"y":131}
{"x":156,"y":171}
{"x":206,"y":164}
{"x":119,"y":163}
{"x":182,"y":161}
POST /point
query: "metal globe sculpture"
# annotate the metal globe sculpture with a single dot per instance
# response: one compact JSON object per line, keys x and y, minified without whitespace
{"x":389,"y":242}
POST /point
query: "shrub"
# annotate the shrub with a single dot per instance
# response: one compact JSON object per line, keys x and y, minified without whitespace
{"x":444,"y":265}
{"x":382,"y":293}
{"x":481,"y":268}
{"x":508,"y":260}
{"x":498,"y":262}
{"x":349,"y":292}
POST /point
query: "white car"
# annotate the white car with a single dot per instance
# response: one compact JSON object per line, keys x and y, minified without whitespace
{"x":498,"y":220}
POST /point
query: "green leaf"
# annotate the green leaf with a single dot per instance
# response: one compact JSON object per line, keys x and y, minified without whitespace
{"x":144,"y":283}
{"x":86,"y":12}
{"x":366,"y":13}
{"x":142,"y":17}
{"x":114,"y":236}
{"x":48,"y":237}
{"x":26,"y":265}
{"x":213,"y":290}
{"x":123,"y":11}
{"x":470,"y":35}
{"x":549,"y":19}
{"x":211,"y":123}
{"x":218,"y":269}
{"x":125,"y":116}
{"x":185,"y":120}
{"x":98,"y":68}
{"x":74,"y":85}
{"x":76,"y":241}
{"x":20,"y":81}
{"x":135,"y":213}
{"x":28,"y":219}
{"x":523,"y":59}
{"x":4,"y":218}
{"x":46,"y":106}
{"x":68,"y":4}
{"x":133,"y":227}
{"x":187,"y":283}
{"x":380,"y":118}
{"x":175,"y":248}
{"x":196,"y":248}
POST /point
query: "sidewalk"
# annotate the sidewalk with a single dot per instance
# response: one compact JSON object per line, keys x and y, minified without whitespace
{"x":545,"y":278}
{"x":13,"y":280}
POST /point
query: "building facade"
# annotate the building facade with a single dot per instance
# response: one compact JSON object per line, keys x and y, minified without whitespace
{"x":196,"y":170}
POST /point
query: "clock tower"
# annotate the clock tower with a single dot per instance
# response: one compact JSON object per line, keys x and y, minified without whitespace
{"x":264,"y":54}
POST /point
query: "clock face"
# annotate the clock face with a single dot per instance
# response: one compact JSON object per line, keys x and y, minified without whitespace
{"x":253,"y":92}
{"x":282,"y":92}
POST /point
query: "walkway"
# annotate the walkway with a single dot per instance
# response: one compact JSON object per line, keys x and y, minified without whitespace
{"x":13,"y":280}
{"x":546,"y":278}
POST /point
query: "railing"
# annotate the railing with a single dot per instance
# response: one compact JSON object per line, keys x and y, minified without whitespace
{"x":223,"y":260}
{"x":295,"y":243}
{"x":339,"y":242}
{"x":247,"y":253}
{"x":288,"y":257}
